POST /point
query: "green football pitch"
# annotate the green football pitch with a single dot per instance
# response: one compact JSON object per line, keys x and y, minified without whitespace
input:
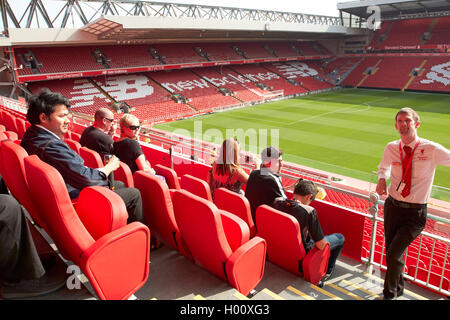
{"x":342,"y":131}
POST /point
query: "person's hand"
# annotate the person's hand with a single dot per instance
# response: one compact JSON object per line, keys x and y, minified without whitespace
{"x":381,"y":187}
{"x":113,"y":129}
{"x":113,"y":163}
{"x":257,"y":162}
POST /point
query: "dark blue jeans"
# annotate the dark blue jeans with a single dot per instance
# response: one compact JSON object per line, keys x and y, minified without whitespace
{"x":337,"y":242}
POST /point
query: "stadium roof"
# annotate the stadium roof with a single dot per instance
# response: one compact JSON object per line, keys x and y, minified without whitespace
{"x":126,"y":21}
{"x":395,"y":9}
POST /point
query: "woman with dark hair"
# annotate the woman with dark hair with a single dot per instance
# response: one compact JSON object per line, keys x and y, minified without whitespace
{"x":226,"y":171}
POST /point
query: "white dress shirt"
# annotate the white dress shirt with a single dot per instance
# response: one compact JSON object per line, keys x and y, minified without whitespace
{"x":427,"y":156}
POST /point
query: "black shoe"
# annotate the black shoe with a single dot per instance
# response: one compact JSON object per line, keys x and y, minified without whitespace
{"x":326,"y":277}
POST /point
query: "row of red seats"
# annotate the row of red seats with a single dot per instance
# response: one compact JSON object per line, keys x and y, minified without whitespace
{"x":81,"y":58}
{"x":150,"y":94}
{"x":98,"y":242}
{"x":426,"y":256}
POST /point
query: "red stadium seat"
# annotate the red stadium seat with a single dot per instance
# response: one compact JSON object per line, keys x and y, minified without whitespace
{"x":169,"y":174}
{"x":74,"y":145}
{"x":208,"y":239}
{"x":237,"y":204}
{"x":93,"y":160}
{"x":12,"y":159}
{"x":432,"y":278}
{"x":21,"y":125}
{"x":284,"y":244}
{"x":9,"y":120}
{"x":75,"y":136}
{"x":2,"y":128}
{"x":158,"y":210}
{"x":196,"y":186}
{"x":123,"y":173}
{"x":117,"y":263}
{"x":11,"y":135}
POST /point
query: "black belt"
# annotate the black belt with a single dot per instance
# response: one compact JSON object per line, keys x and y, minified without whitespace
{"x":407,"y":205}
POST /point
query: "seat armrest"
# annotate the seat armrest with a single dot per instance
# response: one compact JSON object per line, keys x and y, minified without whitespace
{"x":315,"y":264}
{"x":236,"y":230}
{"x":101,"y":210}
{"x":123,"y":173}
{"x":117,"y":264}
{"x":245,"y":266}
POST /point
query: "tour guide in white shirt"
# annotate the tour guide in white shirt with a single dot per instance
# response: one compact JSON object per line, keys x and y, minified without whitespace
{"x":405,"y":210}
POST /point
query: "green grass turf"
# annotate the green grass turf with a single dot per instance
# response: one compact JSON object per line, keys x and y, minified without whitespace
{"x":342,"y":132}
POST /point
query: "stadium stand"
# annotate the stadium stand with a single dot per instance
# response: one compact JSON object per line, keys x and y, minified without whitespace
{"x":393,"y":72}
{"x":180,"y":91}
{"x":406,"y":32}
{"x":199,"y":93}
{"x":439,"y":33}
{"x":83,"y":95}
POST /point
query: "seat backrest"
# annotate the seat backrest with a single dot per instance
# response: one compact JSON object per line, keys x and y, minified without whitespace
{"x":75,"y":136}
{"x":74,"y":145}
{"x":9,"y":120}
{"x":196,"y":186}
{"x":21,"y":127}
{"x":11,"y":135}
{"x":3,"y":136}
{"x":237,"y":204}
{"x":282,"y":234}
{"x":169,"y":174}
{"x":50,"y":195}
{"x":2,"y":128}
{"x":12,"y":159}
{"x":201,"y":227}
{"x":91,"y":158}
{"x":157,"y":207}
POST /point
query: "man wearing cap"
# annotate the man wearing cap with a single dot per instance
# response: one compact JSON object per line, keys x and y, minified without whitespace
{"x":264,"y":185}
{"x":410,"y":163}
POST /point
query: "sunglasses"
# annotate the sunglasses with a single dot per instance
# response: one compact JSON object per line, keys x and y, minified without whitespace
{"x":110,"y":120}
{"x":134,"y":127}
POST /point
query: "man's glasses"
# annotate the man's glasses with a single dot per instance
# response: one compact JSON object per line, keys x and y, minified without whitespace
{"x":134,"y":127}
{"x":110,"y":120}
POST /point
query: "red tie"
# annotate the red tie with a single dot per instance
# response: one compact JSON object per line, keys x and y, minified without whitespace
{"x":407,"y":175}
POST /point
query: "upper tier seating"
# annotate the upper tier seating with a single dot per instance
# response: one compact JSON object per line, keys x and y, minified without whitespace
{"x":381,"y":33}
{"x":219,"y":51}
{"x":283,"y":49}
{"x":63,"y":59}
{"x":253,"y":50}
{"x":406,"y":32}
{"x":128,"y":56}
{"x":175,"y":53}
{"x":440,"y":32}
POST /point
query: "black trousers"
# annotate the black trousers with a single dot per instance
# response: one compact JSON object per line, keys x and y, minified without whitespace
{"x":19,"y":259}
{"x":401,"y":226}
{"x":133,"y":201}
